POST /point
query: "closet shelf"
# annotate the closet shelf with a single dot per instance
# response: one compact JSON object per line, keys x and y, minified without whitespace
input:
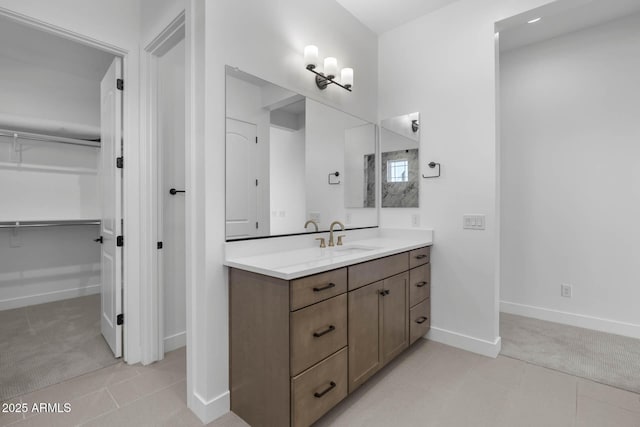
{"x":55,"y":223}
{"x":48,"y":138}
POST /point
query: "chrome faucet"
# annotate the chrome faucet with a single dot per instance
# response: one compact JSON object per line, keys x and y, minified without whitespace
{"x":315,"y":224}
{"x":331,"y":233}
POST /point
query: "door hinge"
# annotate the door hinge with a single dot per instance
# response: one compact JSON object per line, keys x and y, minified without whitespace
{"x":120,"y":319}
{"x":120,"y":241}
{"x":159,"y":245}
{"x":256,"y":182}
{"x":120,"y":84}
{"x":119,"y":162}
{"x":256,"y":139}
{"x":256,"y":225}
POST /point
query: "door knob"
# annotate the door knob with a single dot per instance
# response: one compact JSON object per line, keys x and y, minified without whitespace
{"x":99,"y":240}
{"x":173,"y":191}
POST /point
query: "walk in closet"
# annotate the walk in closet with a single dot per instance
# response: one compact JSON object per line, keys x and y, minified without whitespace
{"x":60,"y":263}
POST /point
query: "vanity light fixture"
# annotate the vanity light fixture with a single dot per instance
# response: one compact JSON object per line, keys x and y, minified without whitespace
{"x":324,"y":79}
{"x":533,"y":21}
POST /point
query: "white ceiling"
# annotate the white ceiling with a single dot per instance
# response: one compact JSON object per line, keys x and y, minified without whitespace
{"x":29,"y":45}
{"x":384,"y":15}
{"x":558,"y":22}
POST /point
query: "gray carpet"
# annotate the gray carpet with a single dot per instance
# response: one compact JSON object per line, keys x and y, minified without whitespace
{"x":605,"y":358}
{"x":49,"y":343}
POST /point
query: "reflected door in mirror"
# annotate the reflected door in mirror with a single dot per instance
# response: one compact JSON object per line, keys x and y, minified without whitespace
{"x":242,"y":189}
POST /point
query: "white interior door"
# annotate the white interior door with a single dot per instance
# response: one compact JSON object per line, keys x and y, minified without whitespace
{"x":241,"y":176}
{"x":111,"y":193}
{"x":171,"y":138}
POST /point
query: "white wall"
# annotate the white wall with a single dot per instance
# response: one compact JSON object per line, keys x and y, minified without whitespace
{"x":286,"y":167}
{"x":45,"y":93}
{"x":116,"y":23}
{"x":570,"y":178}
{"x":268,"y":43}
{"x":448,"y":76}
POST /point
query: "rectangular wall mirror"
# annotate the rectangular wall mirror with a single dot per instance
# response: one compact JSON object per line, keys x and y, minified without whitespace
{"x":400,"y":161}
{"x":290,"y":159}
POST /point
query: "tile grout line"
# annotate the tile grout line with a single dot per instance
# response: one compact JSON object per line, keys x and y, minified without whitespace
{"x":575,"y":415}
{"x":112,"y":398}
{"x":26,"y":314}
{"x":118,"y":407}
{"x":104,"y":413}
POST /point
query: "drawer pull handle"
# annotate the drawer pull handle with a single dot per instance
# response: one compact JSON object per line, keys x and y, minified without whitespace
{"x":332,"y":385}
{"x":421,"y":320}
{"x":421,"y":284}
{"x":326,"y":331}
{"x":385,"y":292}
{"x":421,"y":256}
{"x":324,"y":288}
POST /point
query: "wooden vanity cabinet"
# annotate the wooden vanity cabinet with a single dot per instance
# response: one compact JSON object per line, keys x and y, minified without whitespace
{"x":298,"y":347}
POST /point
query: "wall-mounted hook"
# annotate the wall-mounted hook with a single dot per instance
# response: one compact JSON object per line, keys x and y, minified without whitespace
{"x":335,"y":175}
{"x":433,"y":165}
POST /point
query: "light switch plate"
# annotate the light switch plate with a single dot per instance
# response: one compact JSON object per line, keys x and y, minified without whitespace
{"x":473,"y":222}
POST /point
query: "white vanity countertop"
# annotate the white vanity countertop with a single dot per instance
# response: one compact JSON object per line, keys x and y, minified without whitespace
{"x":297,"y":263}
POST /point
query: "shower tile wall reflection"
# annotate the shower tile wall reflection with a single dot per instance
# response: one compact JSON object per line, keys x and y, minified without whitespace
{"x":400,"y":184}
{"x":400,"y":161}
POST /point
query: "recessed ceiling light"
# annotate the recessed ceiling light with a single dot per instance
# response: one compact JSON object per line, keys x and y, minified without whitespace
{"x":533,"y":21}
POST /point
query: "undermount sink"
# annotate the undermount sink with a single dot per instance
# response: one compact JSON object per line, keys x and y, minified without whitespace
{"x":352,"y":249}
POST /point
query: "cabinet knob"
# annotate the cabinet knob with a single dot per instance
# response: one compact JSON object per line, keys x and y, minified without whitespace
{"x":385,"y":292}
{"x":422,"y":256}
{"x":421,"y":320}
{"x":421,"y":284}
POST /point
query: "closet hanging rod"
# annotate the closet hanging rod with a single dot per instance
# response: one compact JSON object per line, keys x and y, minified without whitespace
{"x":49,"y":138}
{"x":24,"y":224}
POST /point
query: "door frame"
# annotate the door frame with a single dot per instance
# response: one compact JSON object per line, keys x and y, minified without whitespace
{"x":130,"y":277}
{"x":152,"y":316}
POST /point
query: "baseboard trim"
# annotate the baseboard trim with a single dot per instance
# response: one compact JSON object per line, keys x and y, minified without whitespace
{"x":466,"y":342}
{"x":175,"y":341}
{"x":210,"y":410}
{"x":572,"y":319}
{"x":42,"y":298}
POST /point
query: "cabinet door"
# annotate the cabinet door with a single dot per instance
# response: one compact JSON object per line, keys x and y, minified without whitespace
{"x":394,"y":316}
{"x":364,"y":333}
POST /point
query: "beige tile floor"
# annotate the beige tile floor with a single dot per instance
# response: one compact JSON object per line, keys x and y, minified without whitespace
{"x":429,"y":385}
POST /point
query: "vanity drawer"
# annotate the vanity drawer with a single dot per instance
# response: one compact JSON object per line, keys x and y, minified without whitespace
{"x":419,"y":320}
{"x":319,"y":287}
{"x":317,"y":331}
{"x":318,"y":389}
{"x":419,"y":284}
{"x":419,"y":256}
{"x":376,"y":270}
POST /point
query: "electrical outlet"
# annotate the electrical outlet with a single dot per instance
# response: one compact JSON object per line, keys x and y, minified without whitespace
{"x":565,"y":290}
{"x":473,"y":222}
{"x":415,"y":220}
